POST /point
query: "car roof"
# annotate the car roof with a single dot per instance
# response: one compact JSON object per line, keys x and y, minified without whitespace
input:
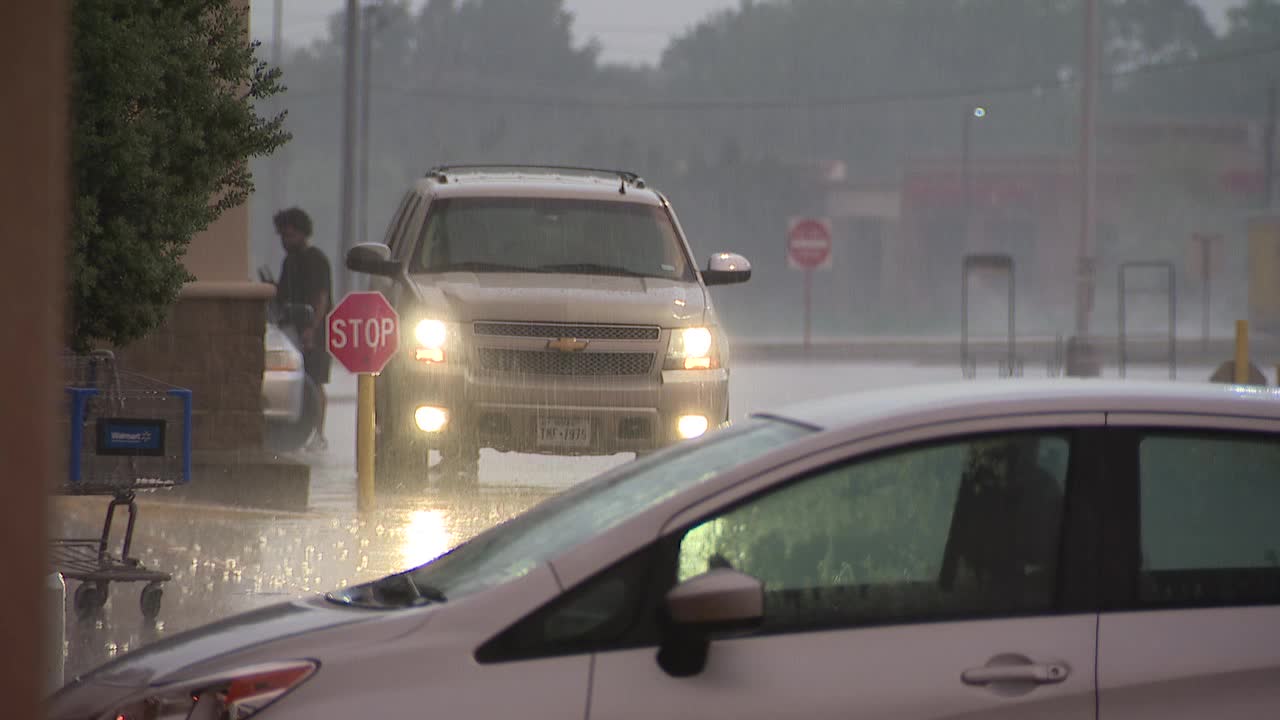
{"x":538,"y":181}
{"x":927,"y":403}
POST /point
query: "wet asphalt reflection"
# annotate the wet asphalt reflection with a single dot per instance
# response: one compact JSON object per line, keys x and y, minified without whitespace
{"x":226,"y":560}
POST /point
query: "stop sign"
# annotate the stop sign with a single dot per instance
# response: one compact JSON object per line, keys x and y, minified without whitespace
{"x":364,"y":332}
{"x":809,"y":243}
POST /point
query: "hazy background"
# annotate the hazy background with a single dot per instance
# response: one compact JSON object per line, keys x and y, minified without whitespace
{"x":747,"y":114}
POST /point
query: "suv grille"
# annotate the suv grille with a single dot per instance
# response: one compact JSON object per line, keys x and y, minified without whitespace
{"x":582,"y":332}
{"x":541,"y":362}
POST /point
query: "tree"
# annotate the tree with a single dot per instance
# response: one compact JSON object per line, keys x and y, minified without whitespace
{"x":163,"y":96}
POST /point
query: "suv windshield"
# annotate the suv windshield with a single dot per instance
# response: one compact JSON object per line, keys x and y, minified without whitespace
{"x":512,"y":549}
{"x":595,"y":237}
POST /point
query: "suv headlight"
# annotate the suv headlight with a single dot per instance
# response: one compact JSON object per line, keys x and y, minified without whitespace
{"x":234,"y":695}
{"x":429,"y":337}
{"x":692,"y":348}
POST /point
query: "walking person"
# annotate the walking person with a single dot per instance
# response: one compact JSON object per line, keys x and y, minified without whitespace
{"x":306,"y":282}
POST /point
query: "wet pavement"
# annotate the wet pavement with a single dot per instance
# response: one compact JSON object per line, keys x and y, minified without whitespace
{"x":224,"y":560}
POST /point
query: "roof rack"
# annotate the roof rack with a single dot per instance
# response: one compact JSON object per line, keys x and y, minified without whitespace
{"x":442,"y":172}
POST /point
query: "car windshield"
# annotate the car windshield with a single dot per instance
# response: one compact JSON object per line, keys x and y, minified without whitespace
{"x":512,"y":549}
{"x":551,"y":235}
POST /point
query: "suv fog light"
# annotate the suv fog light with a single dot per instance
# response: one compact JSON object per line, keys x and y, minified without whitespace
{"x":428,"y":355}
{"x":691,"y":426}
{"x":431,"y":419}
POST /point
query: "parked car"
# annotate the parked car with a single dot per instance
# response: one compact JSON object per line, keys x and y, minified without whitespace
{"x":286,"y":405}
{"x":1065,"y":549}
{"x":546,"y":310}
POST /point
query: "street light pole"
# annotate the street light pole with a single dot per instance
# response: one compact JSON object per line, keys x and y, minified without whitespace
{"x":964,"y":178}
{"x":1081,"y":360}
{"x":970,"y":113}
{"x":366,"y":61}
{"x":347,"y":235}
{"x":278,"y":161}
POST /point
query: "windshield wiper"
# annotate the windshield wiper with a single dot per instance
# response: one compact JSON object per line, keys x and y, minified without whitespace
{"x":392,"y":591}
{"x":594,"y":269}
{"x":423,"y":593}
{"x":480,"y":266}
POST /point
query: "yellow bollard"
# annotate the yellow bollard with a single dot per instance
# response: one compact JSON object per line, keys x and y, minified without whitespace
{"x":1242,"y":352}
{"x":364,"y":443}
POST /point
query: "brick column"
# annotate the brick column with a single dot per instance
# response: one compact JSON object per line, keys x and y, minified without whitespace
{"x":211,"y":344}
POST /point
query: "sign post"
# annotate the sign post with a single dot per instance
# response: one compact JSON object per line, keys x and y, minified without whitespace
{"x":808,"y":249}
{"x":1205,"y":257}
{"x":364,"y":333}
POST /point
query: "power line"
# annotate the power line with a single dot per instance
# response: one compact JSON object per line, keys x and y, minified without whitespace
{"x":558,"y":100}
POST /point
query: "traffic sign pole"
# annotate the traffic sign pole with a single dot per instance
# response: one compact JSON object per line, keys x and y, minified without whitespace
{"x":809,"y":248}
{"x":364,"y":442}
{"x":808,"y":304}
{"x":364,"y":332}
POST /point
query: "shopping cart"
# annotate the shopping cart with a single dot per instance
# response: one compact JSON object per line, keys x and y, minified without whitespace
{"x":125,"y":433}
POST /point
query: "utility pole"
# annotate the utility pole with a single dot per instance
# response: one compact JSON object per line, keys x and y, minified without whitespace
{"x":366,"y":63}
{"x":1081,"y":358}
{"x":1269,"y":151}
{"x":347,"y":235}
{"x":277,"y":55}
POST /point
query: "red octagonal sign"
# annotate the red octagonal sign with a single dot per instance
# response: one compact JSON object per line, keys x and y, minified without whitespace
{"x":809,"y":243}
{"x":364,"y":332}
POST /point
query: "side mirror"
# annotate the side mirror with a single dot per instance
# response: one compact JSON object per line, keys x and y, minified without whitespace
{"x":726,"y":269}
{"x":719,"y":601}
{"x":372,"y":258}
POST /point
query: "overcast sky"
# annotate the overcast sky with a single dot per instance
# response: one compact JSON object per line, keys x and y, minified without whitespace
{"x":628,"y":31}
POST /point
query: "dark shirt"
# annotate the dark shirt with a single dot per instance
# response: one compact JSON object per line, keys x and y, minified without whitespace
{"x":304,"y":275}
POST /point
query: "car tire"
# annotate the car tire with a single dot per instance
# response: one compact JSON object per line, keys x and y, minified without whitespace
{"x":400,"y":463}
{"x":459,"y":466}
{"x":400,"y":459}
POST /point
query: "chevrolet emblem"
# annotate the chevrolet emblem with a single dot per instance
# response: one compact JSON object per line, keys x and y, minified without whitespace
{"x":567,"y":344}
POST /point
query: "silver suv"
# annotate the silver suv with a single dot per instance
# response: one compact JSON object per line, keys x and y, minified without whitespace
{"x":547,"y":310}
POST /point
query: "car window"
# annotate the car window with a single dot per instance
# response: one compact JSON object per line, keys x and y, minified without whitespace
{"x":405,"y":224}
{"x":397,"y":220}
{"x":966,"y":528}
{"x":512,"y":549}
{"x":1209,"y":529}
{"x":604,"y":611}
{"x":551,"y":235}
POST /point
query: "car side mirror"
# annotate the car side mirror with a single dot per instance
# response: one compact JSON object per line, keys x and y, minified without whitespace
{"x":726,"y":269}
{"x":372,"y":258}
{"x":720,"y":601}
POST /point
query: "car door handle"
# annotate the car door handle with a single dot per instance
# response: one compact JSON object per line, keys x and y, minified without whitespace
{"x":1042,"y":674}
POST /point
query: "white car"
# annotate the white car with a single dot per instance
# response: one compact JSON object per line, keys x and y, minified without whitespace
{"x":1056,"y":549}
{"x":287,"y":407}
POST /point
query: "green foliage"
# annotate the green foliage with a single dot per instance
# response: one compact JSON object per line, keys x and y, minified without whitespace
{"x":163,"y":98}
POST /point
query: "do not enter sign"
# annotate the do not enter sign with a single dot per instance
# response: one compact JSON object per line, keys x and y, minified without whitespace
{"x":809,"y":243}
{"x":364,"y":332}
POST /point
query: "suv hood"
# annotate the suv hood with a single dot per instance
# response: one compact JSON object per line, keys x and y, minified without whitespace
{"x":565,"y":298}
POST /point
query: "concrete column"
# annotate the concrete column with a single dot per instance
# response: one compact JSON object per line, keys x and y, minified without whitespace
{"x":34,"y":203}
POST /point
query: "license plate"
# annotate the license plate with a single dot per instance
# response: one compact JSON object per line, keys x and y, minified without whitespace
{"x":564,"y":432}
